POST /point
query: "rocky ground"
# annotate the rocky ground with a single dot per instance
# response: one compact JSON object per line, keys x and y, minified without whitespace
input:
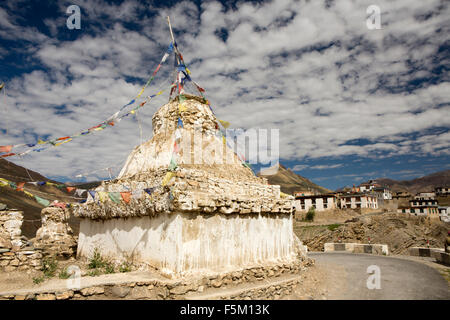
{"x":398,"y":231}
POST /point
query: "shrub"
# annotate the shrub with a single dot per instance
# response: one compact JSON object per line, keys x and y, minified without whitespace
{"x":125,"y":267}
{"x":109,"y":268}
{"x":96,"y":260}
{"x":310,"y":214}
{"x":49,"y":266}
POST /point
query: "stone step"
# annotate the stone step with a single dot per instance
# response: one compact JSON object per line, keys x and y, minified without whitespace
{"x":243,"y":289}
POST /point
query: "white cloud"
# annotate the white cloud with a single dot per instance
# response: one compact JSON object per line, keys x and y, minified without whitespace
{"x":268,"y":74}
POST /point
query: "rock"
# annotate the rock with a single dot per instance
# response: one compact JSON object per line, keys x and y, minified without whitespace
{"x":64,"y":295}
{"x":46,"y":296}
{"x":92,"y":290}
{"x":19,"y":297}
{"x":120,"y":291}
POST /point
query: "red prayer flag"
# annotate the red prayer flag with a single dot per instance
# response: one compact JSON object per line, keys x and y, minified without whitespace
{"x":70,"y":189}
{"x":7,"y":155}
{"x":20,"y":186}
{"x":126,"y":196}
{"x":63,"y":138}
{"x":5,"y":148}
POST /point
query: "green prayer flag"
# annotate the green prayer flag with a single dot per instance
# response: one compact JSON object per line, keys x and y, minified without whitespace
{"x":44,"y":202}
{"x":115,"y":196}
{"x":181,"y":98}
{"x":173,"y":164}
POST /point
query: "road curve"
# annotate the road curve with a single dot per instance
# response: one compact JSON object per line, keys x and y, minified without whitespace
{"x":400,"y":279}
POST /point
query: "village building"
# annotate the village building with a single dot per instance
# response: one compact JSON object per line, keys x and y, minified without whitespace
{"x":358,"y":200}
{"x":320,"y":202}
{"x":425,"y":195}
{"x":444,"y":214}
{"x":442,"y":191}
{"x":421,"y":207}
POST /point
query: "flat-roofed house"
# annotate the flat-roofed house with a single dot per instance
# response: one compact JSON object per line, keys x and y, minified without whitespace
{"x":358,"y":200}
{"x":320,"y":202}
{"x":421,"y":207}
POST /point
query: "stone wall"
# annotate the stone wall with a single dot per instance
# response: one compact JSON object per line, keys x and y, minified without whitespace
{"x":381,"y":249}
{"x":159,"y":289}
{"x":55,"y":236}
{"x":15,"y":250}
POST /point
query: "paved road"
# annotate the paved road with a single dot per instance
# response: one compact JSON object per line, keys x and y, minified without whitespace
{"x":399,"y":278}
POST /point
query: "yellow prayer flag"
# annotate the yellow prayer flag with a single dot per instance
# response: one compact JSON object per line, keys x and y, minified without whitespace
{"x":182,"y":107}
{"x":102,"y":195}
{"x":28,"y":193}
{"x":168,"y":177}
{"x":188,"y":71}
{"x":40,"y":141}
{"x":132,"y":111}
{"x":224,"y":140}
{"x":225,"y":124}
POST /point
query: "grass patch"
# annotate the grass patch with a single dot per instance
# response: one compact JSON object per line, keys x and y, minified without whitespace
{"x":94,"y":273}
{"x":38,"y":280}
{"x":64,"y":274}
{"x":109,"y":268}
{"x":333,"y":227}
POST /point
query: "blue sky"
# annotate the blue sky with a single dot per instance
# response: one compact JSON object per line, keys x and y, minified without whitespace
{"x":350,"y":103}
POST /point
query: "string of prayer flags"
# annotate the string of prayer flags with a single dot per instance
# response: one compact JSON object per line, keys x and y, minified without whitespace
{"x":109,"y":122}
{"x":115,"y":196}
{"x":126,"y":196}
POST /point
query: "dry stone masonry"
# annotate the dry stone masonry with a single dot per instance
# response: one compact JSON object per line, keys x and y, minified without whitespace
{"x":55,"y":236}
{"x":16,"y":252}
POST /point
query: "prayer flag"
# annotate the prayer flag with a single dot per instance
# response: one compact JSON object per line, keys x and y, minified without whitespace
{"x":7,"y":155}
{"x":70,"y":189}
{"x":42,"y":201}
{"x":180,"y":123}
{"x":102,"y":195}
{"x":168,"y":177}
{"x":20,"y":186}
{"x":126,"y":196}
{"x":6,"y":148}
{"x":182,"y":107}
{"x":28,"y":193}
{"x":173,"y":164}
{"x":92,"y":193}
{"x":225,"y":124}
{"x":114,"y":196}
{"x":41,"y":183}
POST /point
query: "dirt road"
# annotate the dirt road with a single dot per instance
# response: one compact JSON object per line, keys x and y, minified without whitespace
{"x":399,"y":278}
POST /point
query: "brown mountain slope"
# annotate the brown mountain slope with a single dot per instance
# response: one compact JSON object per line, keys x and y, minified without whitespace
{"x":423,"y":184}
{"x":291,"y":182}
{"x":19,"y":200}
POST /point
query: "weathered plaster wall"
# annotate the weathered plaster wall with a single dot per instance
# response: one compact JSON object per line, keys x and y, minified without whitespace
{"x":182,"y":242}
